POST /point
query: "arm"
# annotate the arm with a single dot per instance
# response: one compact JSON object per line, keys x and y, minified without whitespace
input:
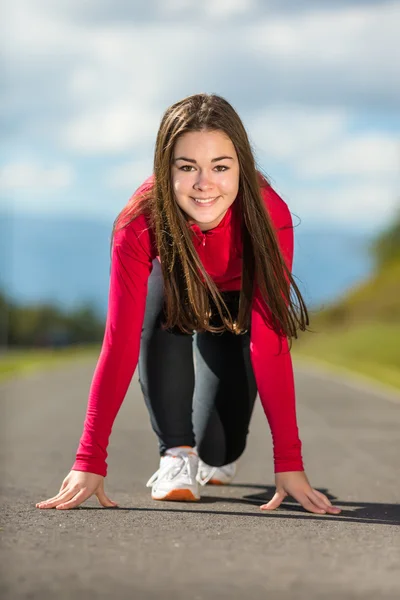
{"x":271,"y":358}
{"x":274,"y":374}
{"x":131,"y":265}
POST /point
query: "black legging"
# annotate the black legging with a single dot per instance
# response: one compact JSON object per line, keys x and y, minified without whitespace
{"x":208,"y":401}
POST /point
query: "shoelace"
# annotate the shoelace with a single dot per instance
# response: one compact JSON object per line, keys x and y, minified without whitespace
{"x":205,"y":480}
{"x":228,"y":470}
{"x":171,"y":467}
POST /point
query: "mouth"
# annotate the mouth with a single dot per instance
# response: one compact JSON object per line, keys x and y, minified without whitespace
{"x":205,"y":201}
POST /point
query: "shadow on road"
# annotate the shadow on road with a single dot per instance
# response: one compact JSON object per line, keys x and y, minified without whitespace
{"x":359,"y":512}
{"x":352,"y":512}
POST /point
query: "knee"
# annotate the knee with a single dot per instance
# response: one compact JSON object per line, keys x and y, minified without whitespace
{"x":235,"y":452}
{"x":218,"y":457}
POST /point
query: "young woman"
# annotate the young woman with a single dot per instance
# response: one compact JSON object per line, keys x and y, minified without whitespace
{"x":201,"y":285}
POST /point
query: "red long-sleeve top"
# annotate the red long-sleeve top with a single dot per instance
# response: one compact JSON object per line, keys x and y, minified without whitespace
{"x":220,"y":252}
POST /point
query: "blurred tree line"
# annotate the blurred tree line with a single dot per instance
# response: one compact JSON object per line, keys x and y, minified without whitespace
{"x":376,"y":299}
{"x":45,"y":325}
{"x":386,"y":247}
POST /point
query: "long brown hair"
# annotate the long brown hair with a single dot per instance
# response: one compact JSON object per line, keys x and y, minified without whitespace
{"x":189,"y":290}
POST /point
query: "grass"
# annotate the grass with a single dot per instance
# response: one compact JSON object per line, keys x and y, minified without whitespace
{"x":361,"y":331}
{"x":370,"y":349}
{"x":377,"y":299}
{"x":17,"y":363}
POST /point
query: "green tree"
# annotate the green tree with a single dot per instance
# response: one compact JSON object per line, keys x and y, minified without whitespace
{"x":47,"y":325}
{"x":386,"y":248}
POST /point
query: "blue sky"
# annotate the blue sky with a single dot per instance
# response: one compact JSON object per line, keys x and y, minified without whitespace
{"x":317,"y":84}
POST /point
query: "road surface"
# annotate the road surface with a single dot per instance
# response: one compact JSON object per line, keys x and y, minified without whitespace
{"x":222,"y":547}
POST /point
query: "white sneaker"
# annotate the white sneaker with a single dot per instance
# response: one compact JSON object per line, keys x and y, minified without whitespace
{"x":176,"y":477}
{"x":215,"y":475}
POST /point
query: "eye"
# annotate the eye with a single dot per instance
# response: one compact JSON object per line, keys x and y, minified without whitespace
{"x":221,"y":168}
{"x":186,"y":168}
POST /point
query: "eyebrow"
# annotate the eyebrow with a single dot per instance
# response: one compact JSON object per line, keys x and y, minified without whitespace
{"x":191,"y":160}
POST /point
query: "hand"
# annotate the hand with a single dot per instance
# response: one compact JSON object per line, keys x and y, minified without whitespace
{"x":77,"y":487}
{"x":296,"y":484}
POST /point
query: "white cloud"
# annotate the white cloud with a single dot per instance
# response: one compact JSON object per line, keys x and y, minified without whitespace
{"x":128,"y":176}
{"x":336,"y":173}
{"x":336,"y":37}
{"x":34,"y":178}
{"x":209,"y":8}
{"x":341,"y":56}
{"x":174,"y":6}
{"x":288,"y":132}
{"x":316,"y":144}
{"x":95,"y":86}
{"x":223,"y":9}
{"x":113,"y":129}
{"x":363,"y":154}
{"x":112,"y":78}
{"x":357,"y":205}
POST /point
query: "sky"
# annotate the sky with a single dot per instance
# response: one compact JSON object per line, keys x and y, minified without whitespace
{"x":316,"y":83}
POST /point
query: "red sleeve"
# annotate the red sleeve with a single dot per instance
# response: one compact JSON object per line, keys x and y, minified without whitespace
{"x":131,"y":265}
{"x":271,"y":358}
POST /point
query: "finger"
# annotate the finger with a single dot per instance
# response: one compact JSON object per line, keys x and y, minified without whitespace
{"x":105,"y":500}
{"x":63,"y":485}
{"x":322,"y":496}
{"x":75,"y":501}
{"x":56,"y":497}
{"x":49,"y":499}
{"x":315,"y":499}
{"x":66,"y":495}
{"x":274,"y":502}
{"x":322,"y":501}
{"x":330,"y":508}
{"x":308,"y":504}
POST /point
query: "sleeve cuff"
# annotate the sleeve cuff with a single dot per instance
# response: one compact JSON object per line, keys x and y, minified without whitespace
{"x":283,"y":466}
{"x":90,"y":466}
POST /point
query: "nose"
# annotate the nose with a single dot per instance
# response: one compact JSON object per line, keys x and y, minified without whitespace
{"x":202,"y":181}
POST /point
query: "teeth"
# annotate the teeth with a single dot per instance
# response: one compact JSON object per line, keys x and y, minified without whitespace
{"x":204,"y":200}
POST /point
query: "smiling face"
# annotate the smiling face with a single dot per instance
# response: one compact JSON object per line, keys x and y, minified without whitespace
{"x":205,"y":176}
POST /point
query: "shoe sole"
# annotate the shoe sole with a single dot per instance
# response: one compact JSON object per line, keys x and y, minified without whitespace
{"x":218,"y":482}
{"x":179,"y":496}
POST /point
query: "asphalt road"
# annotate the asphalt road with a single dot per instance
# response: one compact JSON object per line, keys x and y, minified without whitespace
{"x":222,"y":547}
